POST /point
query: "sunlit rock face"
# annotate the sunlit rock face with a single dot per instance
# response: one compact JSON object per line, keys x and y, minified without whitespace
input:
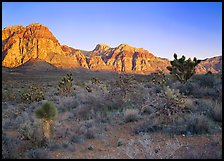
{"x":210,"y":64}
{"x":36,"y":42}
{"x":128,"y":59}
{"x":20,"y":44}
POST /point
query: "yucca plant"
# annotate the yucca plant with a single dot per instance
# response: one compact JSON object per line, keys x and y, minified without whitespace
{"x":182,"y":69}
{"x":47,"y":113}
{"x":159,"y":78}
{"x":65,"y":85}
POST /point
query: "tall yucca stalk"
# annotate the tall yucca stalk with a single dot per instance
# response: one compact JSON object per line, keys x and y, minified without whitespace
{"x":47,"y":113}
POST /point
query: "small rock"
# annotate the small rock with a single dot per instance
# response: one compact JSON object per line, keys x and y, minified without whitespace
{"x":120,"y":142}
{"x":90,"y":147}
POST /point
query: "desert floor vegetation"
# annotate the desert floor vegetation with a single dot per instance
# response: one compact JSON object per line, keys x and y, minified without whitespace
{"x":109,"y":115}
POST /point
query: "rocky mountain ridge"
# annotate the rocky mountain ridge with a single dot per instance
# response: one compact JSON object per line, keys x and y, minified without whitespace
{"x":21,"y":45}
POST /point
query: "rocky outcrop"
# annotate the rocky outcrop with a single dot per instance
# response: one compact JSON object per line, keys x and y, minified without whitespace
{"x":36,"y":42}
{"x":210,"y":64}
{"x":20,"y":44}
{"x":128,"y":59}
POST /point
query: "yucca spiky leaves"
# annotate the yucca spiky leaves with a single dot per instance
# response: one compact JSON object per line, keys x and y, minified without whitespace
{"x":65,"y":85}
{"x":47,"y":113}
{"x":183,"y":69}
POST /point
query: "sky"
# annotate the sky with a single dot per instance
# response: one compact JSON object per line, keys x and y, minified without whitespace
{"x":193,"y":29}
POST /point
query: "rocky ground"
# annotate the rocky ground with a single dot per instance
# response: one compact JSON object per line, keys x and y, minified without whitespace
{"x":113,"y":116}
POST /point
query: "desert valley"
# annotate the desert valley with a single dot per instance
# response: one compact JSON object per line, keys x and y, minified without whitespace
{"x":112,"y":102}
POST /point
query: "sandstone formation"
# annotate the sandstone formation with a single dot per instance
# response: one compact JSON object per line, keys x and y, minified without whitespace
{"x":21,"y":45}
{"x":210,"y":64}
{"x":128,"y":59}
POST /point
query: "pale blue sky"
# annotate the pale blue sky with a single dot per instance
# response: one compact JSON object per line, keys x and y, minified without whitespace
{"x":163,"y":28}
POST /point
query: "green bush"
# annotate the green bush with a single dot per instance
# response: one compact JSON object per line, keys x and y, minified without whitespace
{"x":47,"y":113}
{"x":159,"y":78}
{"x":174,"y":97}
{"x":33,"y":93}
{"x":65,"y":85}
{"x":182,"y":69}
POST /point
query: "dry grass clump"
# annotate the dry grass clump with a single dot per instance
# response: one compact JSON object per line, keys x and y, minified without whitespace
{"x":217,"y":112}
{"x":199,"y":124}
{"x":131,"y":115}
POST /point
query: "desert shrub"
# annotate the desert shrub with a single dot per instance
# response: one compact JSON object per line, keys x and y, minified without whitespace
{"x":8,"y":95}
{"x":199,"y":124}
{"x":125,"y":84}
{"x":80,"y":83}
{"x":201,"y":92}
{"x":47,"y":113}
{"x":187,"y":88}
{"x":159,"y":78}
{"x":147,"y":128}
{"x":10,"y":147}
{"x":202,"y":107}
{"x":65,"y":85}
{"x":131,"y":115}
{"x":205,"y":80}
{"x":33,"y":93}
{"x":95,"y":80}
{"x":32,"y":134}
{"x":90,"y":134}
{"x":114,"y":107}
{"x":38,"y":154}
{"x":174,"y":97}
{"x":66,"y":103}
{"x":217,"y":112}
{"x":77,"y":139}
{"x":84,"y":112}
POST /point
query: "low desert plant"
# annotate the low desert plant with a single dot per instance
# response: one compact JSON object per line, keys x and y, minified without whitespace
{"x":10,"y":147}
{"x":159,"y":78}
{"x":33,"y":93}
{"x":38,"y":154}
{"x":8,"y":95}
{"x":174,"y":97}
{"x":217,"y":112}
{"x":205,"y":80}
{"x":131,"y":115}
{"x":199,"y":124}
{"x":65,"y":85}
{"x":47,"y":113}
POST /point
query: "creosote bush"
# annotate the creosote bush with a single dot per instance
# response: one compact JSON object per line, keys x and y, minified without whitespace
{"x":217,"y":112}
{"x":47,"y":113}
{"x":131,"y":115}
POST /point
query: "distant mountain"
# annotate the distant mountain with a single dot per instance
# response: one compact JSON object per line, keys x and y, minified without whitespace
{"x":210,"y":64}
{"x":35,"y":47}
{"x":20,"y":44}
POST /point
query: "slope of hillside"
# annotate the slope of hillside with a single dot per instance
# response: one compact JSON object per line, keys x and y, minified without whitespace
{"x":210,"y":64}
{"x":36,"y":42}
{"x":20,"y":44}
